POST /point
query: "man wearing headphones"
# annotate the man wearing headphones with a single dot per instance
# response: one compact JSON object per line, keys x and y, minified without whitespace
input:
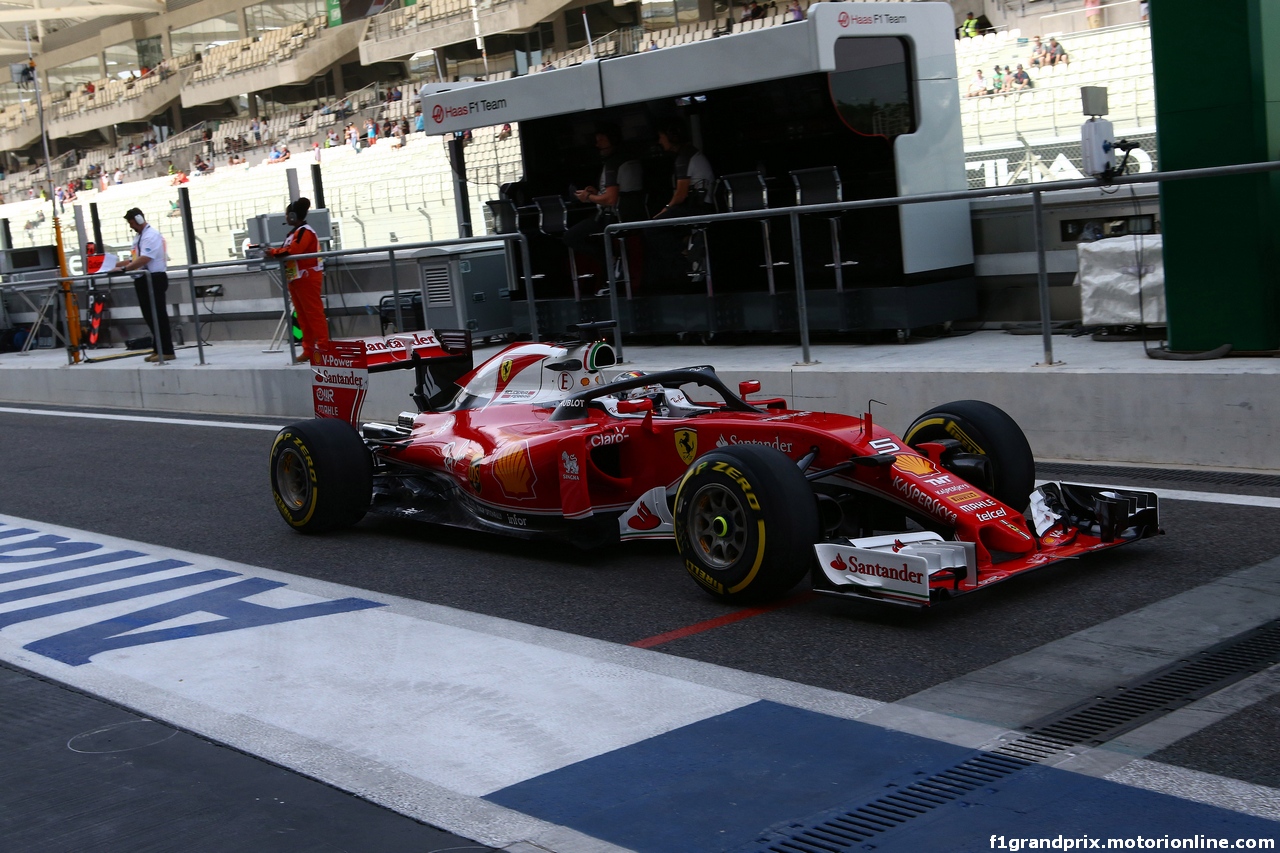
{"x":305,"y":278}
{"x":149,"y":253}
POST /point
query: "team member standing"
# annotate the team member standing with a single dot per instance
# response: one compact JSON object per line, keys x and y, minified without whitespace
{"x":305,"y":277}
{"x":150,"y":254}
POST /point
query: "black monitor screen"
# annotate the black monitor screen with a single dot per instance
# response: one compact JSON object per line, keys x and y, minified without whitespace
{"x":24,"y":259}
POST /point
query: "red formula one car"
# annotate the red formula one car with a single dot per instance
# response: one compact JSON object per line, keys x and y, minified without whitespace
{"x":539,"y":442}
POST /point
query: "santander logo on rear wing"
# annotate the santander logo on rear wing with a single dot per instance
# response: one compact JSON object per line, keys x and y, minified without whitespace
{"x":341,"y":368}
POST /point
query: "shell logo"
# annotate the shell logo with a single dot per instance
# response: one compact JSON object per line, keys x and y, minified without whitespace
{"x":513,"y":469}
{"x":917,"y":465}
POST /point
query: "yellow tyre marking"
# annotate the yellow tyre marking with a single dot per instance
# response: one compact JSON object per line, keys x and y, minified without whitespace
{"x":759,"y":559}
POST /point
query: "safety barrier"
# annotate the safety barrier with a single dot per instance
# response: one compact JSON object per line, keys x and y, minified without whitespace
{"x":51,"y":286}
{"x":793,"y":214}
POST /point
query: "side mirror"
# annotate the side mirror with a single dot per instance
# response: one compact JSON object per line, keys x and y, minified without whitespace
{"x":751,"y":386}
{"x":632,"y":407}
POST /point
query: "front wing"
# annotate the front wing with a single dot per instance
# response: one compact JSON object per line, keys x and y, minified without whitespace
{"x":920,"y":569}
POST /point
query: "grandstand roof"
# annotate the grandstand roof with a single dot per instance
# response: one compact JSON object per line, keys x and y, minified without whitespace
{"x":17,"y":17}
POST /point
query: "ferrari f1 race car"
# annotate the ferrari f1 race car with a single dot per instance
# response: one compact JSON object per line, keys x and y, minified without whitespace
{"x":541,"y":441}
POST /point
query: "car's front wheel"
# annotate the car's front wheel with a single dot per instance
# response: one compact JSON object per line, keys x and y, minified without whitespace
{"x":321,"y":475}
{"x":746,"y":521}
{"x":988,"y":431}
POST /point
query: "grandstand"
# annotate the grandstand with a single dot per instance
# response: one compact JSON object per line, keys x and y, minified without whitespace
{"x":388,"y":193}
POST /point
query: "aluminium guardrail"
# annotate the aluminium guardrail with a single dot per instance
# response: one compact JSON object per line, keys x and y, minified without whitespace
{"x":54,"y":283}
{"x":793,"y":213}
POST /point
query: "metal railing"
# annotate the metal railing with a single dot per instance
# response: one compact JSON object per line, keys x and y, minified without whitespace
{"x":793,"y":214}
{"x":52,"y":286}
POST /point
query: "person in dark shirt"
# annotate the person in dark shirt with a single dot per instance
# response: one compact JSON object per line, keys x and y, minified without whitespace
{"x":584,"y":236}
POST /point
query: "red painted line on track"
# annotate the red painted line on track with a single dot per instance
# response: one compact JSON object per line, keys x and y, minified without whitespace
{"x":719,"y":621}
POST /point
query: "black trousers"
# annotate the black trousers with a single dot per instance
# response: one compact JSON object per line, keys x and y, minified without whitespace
{"x":158,"y":324}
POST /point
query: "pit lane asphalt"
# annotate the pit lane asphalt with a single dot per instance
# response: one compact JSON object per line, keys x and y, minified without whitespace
{"x":206,"y":490}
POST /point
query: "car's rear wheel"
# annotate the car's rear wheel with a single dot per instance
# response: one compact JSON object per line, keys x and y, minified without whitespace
{"x":321,"y":475}
{"x":745,"y":523}
{"x":988,"y":431}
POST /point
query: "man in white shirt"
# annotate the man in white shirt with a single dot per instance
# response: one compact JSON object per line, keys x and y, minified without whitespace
{"x":149,"y":254}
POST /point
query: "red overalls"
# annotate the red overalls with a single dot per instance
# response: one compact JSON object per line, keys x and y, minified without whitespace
{"x":305,"y":279}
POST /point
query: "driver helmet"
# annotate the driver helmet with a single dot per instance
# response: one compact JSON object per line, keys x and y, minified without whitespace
{"x":651,"y":391}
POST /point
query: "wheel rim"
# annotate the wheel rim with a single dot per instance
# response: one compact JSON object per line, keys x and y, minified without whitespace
{"x":719,"y":526}
{"x":293,"y":480}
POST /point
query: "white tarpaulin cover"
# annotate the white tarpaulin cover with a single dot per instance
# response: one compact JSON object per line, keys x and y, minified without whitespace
{"x":1109,"y":276}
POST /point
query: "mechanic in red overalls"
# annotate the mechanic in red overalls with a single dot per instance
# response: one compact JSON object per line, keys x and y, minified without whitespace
{"x":305,"y":278}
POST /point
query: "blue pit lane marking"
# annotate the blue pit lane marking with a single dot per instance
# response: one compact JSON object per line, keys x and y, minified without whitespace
{"x":23,"y":559}
{"x":746,"y":780}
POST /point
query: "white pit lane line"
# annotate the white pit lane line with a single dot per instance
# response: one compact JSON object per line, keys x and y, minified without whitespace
{"x":144,"y":419}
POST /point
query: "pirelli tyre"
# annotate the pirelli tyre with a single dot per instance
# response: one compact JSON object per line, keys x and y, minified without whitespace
{"x":989,"y":431}
{"x":321,"y":475}
{"x":746,"y":520}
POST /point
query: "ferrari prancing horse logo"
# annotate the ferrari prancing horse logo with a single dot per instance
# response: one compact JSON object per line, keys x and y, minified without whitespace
{"x":687,"y":444}
{"x":504,"y":371}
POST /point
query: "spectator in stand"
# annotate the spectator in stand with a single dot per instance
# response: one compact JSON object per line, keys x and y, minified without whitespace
{"x":370,"y":132}
{"x":331,"y":141}
{"x":1057,"y":54}
{"x":118,"y":178}
{"x":200,"y":165}
{"x":548,"y":65}
{"x":171,"y":168}
{"x":997,"y":81}
{"x":1039,"y":53}
{"x":978,"y":85}
{"x":387,"y":128}
{"x":89,"y":89}
{"x":1021,"y":79}
{"x":280,"y":153}
{"x":794,"y":12}
{"x":969,"y":29}
{"x":418,"y":122}
{"x":315,"y":151}
{"x":396,"y":94}
{"x":256,"y":130}
{"x":60,"y":198}
{"x":180,"y":177}
{"x":1093,"y":13}
{"x":1143,"y":9}
{"x":353,"y":138}
{"x":505,"y":133}
{"x":397,"y":136}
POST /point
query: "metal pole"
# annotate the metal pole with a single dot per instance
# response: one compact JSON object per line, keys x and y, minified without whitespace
{"x":395,"y":292}
{"x":1042,"y":275}
{"x":70,"y":313}
{"x":317,"y":186}
{"x":802,"y":308}
{"x":613,"y":295}
{"x":528,"y":288}
{"x":195,"y":311}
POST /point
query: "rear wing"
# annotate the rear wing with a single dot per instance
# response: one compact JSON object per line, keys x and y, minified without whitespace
{"x":341,"y":368}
